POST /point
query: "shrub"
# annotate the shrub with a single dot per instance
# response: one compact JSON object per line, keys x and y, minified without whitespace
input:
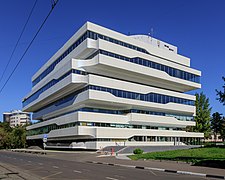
{"x":138,"y":151}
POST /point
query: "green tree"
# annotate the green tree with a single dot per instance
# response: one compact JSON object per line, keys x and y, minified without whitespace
{"x":2,"y":138}
{"x":202,"y":117}
{"x":18,"y":137}
{"x":222,"y":130}
{"x":12,"y":137}
{"x":216,"y":123}
{"x":5,"y":126}
{"x":5,"y":130}
{"x":221,"y":94}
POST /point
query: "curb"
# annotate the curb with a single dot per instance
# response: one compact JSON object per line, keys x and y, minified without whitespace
{"x":29,"y":151}
{"x":162,"y":170}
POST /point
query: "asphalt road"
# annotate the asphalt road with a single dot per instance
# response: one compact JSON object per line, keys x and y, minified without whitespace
{"x":47,"y":167}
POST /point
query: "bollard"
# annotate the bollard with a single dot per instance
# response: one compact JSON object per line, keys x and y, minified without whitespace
{"x":112,"y":151}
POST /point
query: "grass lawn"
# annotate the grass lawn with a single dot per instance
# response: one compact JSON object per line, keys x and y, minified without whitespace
{"x":188,"y":155}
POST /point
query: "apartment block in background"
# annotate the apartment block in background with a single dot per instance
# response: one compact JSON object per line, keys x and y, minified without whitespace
{"x":17,"y":118}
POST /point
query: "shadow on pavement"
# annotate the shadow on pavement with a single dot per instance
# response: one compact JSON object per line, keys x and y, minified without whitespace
{"x":211,"y":163}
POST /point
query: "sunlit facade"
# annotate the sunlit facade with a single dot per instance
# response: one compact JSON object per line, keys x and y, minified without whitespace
{"x":17,"y":118}
{"x":105,"y":88}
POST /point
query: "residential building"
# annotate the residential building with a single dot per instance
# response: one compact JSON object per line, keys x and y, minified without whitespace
{"x":16,"y":118}
{"x":105,"y":88}
{"x":6,"y":117}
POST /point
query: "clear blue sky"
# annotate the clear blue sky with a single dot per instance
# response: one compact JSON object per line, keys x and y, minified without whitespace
{"x":197,"y":28}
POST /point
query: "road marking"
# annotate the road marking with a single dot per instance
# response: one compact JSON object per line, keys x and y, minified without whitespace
{"x":21,"y":159}
{"x":86,"y":170}
{"x":51,"y":175}
{"x":55,"y":167}
{"x":111,"y":178}
{"x":40,"y":164}
{"x":153,"y":173}
{"x":34,"y":169}
{"x":122,"y":177}
{"x":29,"y":161}
{"x":25,"y":165}
{"x":77,"y":171}
{"x":14,"y":158}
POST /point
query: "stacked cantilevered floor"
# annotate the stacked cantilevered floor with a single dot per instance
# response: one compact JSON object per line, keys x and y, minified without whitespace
{"x":106,"y":88}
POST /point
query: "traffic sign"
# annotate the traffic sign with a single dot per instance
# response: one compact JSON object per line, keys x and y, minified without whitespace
{"x":45,"y":140}
{"x":45,"y":136}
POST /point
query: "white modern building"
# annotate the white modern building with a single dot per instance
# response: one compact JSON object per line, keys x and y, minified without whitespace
{"x":16,"y":118}
{"x":105,"y":88}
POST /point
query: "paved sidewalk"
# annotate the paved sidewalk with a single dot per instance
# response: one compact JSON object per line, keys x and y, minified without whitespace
{"x":9,"y":172}
{"x":171,"y":165}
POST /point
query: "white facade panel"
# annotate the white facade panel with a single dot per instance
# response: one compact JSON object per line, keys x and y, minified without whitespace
{"x":117,"y":49}
{"x":133,"y":87}
{"x":153,"y":50}
{"x":61,"y":50}
{"x":108,"y":98}
{"x":106,"y":65}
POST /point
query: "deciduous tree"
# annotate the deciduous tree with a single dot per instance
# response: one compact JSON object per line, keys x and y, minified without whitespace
{"x":12,"y":137}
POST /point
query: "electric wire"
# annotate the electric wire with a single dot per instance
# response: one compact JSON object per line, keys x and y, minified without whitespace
{"x":15,"y":47}
{"x":28,"y":47}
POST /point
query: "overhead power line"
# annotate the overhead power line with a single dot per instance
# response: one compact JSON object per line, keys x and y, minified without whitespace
{"x":28,"y":47}
{"x":14,"y":49}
